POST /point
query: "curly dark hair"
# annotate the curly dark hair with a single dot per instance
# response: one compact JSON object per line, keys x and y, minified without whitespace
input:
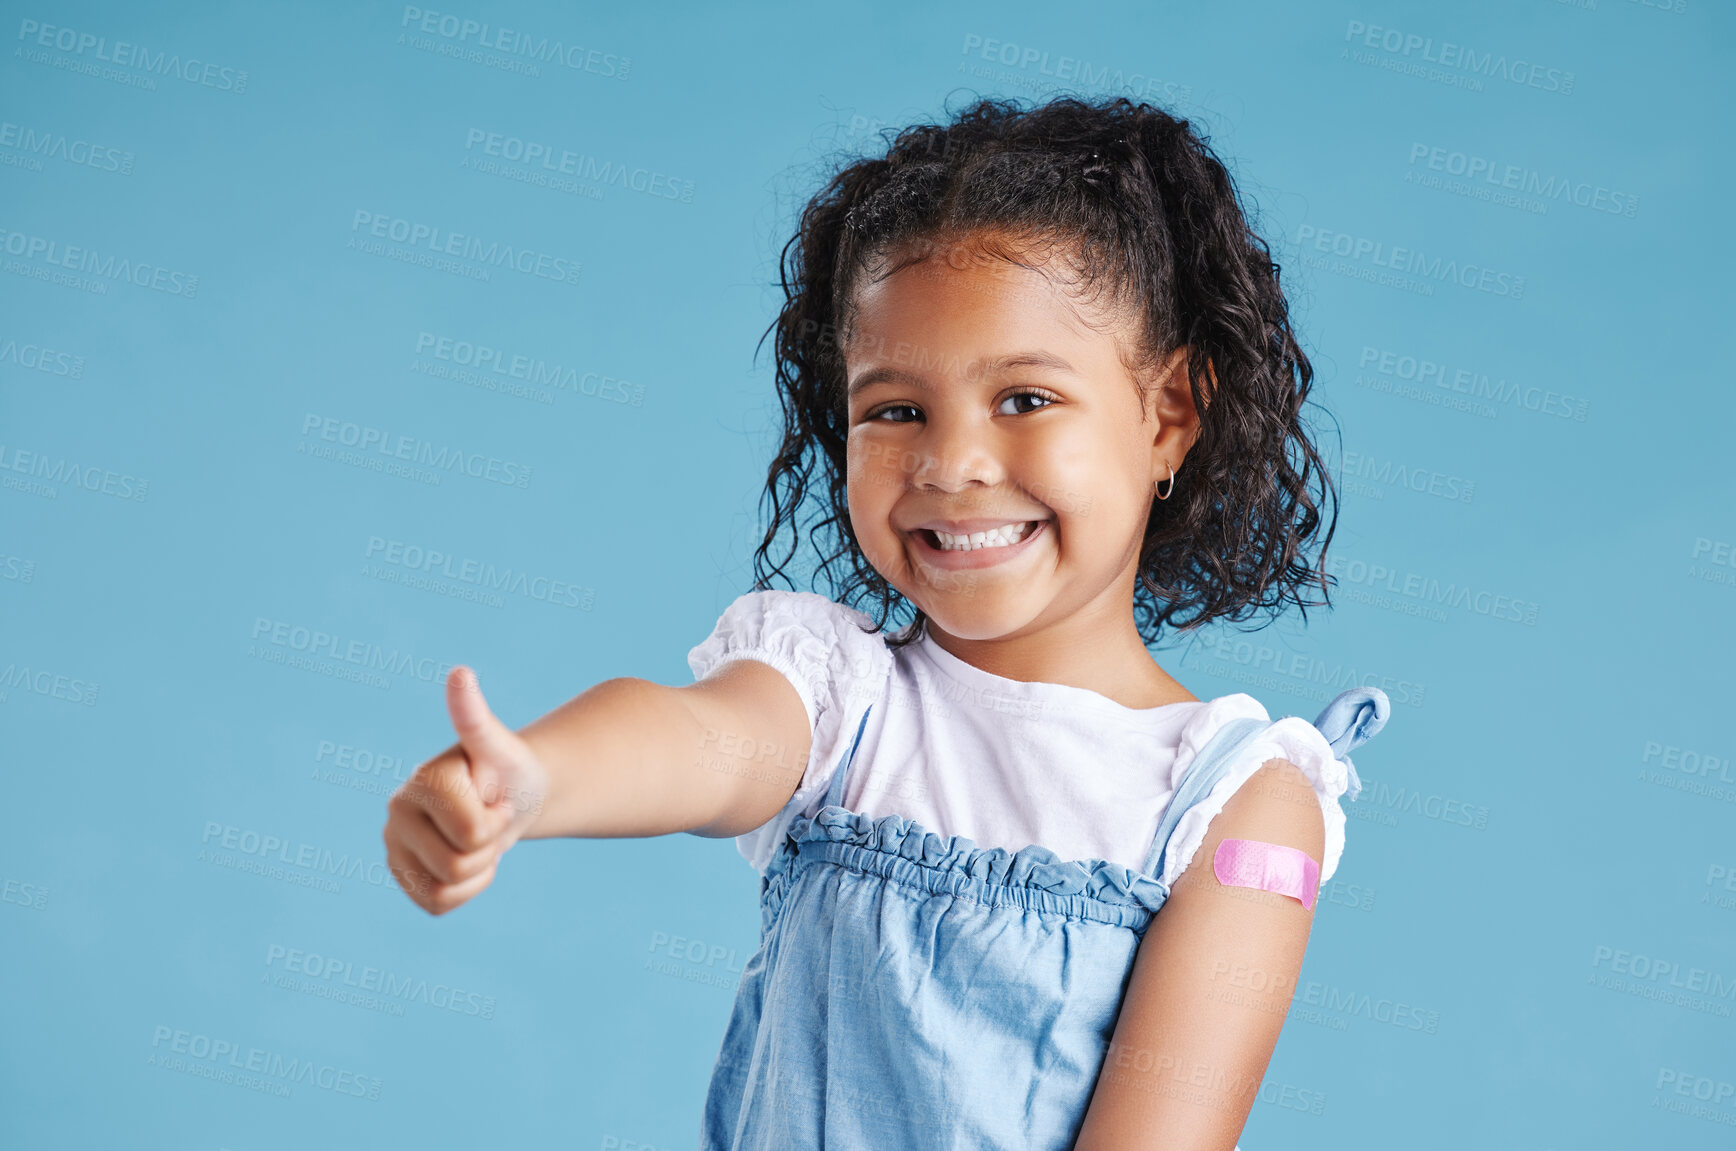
{"x":1151,"y":215}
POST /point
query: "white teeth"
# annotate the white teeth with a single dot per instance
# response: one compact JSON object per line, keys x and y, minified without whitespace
{"x":1003,"y":536}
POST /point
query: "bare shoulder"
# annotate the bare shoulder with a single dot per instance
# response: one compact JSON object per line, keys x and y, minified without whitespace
{"x":1278,"y":805}
{"x":1280,"y":794}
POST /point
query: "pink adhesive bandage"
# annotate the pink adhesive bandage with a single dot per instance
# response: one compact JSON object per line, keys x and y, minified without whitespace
{"x":1267,"y":867}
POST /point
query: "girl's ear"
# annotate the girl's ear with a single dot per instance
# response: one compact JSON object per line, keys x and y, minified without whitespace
{"x":1174,"y":376}
{"x":1178,"y":422}
{"x":1178,"y":425}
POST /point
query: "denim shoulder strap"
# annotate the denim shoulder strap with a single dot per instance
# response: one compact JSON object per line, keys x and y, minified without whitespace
{"x":1351,"y":719}
{"x":1206,"y":769}
{"x":835,"y":789}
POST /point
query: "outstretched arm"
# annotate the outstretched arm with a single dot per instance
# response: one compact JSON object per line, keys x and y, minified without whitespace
{"x":626,"y":758}
{"x":1210,"y":987}
{"x":634,"y":758}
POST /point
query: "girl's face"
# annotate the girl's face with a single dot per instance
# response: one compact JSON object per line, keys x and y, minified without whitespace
{"x":979,"y":398}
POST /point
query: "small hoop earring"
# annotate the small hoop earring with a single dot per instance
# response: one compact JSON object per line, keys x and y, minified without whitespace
{"x":1171,"y":490}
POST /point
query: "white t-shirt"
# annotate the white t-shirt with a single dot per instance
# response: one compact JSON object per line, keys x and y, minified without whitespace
{"x":1005,"y":763}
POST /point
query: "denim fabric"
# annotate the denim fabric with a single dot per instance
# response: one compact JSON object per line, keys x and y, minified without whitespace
{"x":913,"y":991}
{"x":1350,"y":720}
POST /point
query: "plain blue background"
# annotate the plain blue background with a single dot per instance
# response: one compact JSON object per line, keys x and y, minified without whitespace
{"x":141,"y":705}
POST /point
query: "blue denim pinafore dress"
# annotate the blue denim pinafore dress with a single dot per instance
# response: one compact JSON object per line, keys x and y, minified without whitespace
{"x":914,"y":992}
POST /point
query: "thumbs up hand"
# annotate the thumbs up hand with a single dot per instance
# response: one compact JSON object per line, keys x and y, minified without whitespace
{"x":457,"y":814}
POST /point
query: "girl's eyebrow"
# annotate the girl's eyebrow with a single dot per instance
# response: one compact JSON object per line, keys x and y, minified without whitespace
{"x":990,"y":367}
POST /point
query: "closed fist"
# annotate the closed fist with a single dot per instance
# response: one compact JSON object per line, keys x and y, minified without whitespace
{"x":449,"y":824}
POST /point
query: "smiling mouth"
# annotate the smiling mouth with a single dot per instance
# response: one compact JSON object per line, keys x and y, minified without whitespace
{"x":1001,"y":537}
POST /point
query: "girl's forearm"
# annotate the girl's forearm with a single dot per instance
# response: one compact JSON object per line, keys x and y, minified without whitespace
{"x":624,"y":759}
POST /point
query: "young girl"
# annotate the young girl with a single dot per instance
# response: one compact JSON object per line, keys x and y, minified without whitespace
{"x":1046,"y":373}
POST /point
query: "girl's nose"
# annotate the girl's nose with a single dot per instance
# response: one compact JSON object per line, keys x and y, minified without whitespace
{"x":951,"y":459}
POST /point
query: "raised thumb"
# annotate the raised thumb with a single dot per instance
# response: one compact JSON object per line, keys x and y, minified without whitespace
{"x":483,"y":736}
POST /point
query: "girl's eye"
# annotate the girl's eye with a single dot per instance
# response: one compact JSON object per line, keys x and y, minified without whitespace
{"x":890,"y":408}
{"x":1045,"y":397}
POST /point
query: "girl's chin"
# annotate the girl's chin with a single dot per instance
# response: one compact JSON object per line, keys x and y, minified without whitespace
{"x":979,"y":622}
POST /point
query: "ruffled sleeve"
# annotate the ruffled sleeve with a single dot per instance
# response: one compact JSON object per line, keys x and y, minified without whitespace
{"x":1292,"y":738}
{"x":836,"y":667}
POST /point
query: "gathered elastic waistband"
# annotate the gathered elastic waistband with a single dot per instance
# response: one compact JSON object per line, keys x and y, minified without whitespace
{"x":1033,"y":878}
